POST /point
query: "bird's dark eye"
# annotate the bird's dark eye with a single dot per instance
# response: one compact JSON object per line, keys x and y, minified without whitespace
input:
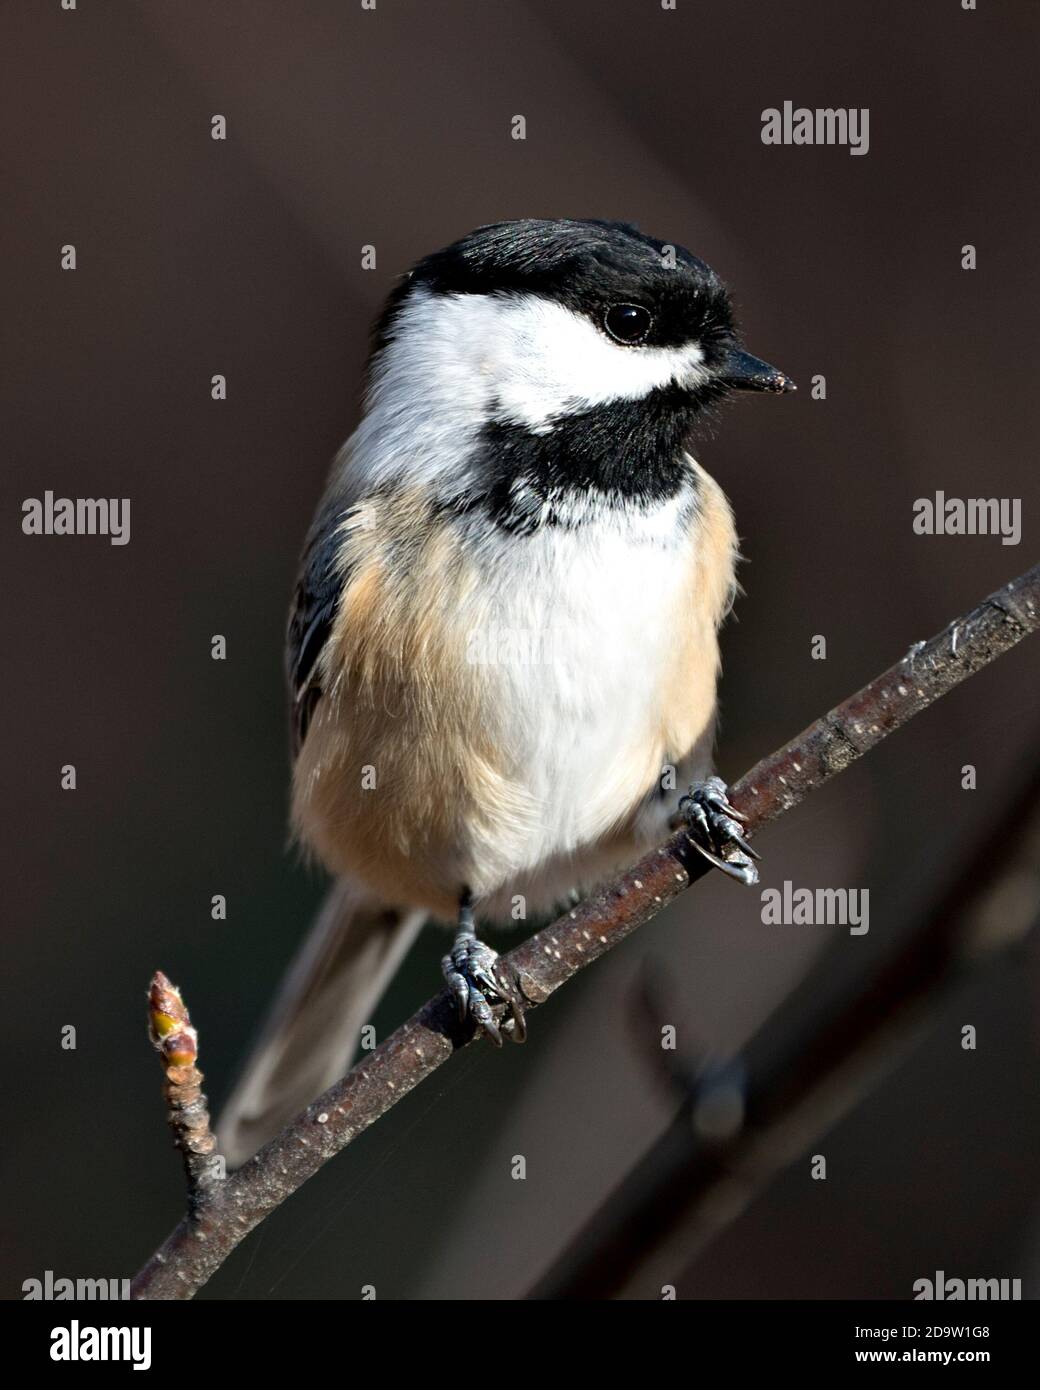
{"x":628,"y":323}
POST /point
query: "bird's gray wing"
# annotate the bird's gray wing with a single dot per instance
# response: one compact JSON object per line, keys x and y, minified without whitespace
{"x":311,"y":616}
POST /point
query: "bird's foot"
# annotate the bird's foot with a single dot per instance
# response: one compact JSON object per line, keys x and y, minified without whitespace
{"x":712,"y":828}
{"x":480,"y":985}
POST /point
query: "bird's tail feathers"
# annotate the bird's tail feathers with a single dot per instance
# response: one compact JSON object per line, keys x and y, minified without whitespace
{"x":340,"y":972}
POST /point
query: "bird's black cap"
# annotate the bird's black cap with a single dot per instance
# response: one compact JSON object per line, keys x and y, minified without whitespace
{"x":587,"y":265}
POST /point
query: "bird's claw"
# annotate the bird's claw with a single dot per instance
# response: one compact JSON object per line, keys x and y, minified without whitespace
{"x":471,"y":970}
{"x":712,"y":826}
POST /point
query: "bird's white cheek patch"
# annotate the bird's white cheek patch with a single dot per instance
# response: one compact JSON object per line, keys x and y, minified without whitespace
{"x":534,"y":359}
{"x":552,"y":361}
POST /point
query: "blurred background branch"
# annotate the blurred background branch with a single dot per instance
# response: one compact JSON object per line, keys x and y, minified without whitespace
{"x":204,"y":1238}
{"x":730,"y":1138}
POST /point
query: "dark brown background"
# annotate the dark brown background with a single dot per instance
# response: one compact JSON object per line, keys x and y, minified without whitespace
{"x":243,"y":257}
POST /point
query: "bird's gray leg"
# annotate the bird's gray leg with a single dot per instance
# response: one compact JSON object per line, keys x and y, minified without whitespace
{"x":471,"y":970}
{"x":712,"y":828}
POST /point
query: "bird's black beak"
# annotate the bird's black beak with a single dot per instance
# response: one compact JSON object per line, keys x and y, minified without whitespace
{"x":743,"y":372}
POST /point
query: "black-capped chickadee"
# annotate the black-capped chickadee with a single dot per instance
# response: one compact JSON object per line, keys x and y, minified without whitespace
{"x":504,"y":631}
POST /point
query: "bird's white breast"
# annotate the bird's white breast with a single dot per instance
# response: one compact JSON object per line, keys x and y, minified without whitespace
{"x":576,"y":640}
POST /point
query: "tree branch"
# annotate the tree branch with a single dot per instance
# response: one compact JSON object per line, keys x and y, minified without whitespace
{"x":177,"y":1043}
{"x":204,"y":1239}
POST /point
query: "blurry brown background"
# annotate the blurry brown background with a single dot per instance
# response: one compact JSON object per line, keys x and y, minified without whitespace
{"x":392,"y":127}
